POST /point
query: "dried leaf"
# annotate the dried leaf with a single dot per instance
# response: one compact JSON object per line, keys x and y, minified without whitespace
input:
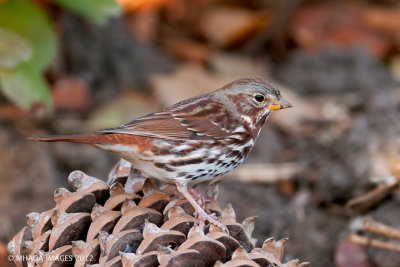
{"x":141,"y":5}
{"x":226,"y":26}
{"x":121,"y":110}
{"x":187,"y":49}
{"x":313,"y":28}
{"x":71,"y":94}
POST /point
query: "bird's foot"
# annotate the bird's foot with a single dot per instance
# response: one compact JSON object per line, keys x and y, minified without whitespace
{"x":212,"y":218}
{"x":203,"y":216}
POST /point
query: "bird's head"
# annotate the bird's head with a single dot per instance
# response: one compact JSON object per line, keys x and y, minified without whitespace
{"x":255,"y":99}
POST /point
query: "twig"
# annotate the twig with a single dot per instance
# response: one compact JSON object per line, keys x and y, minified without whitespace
{"x":365,"y":202}
{"x":369,"y":225}
{"x":365,"y":241}
{"x":266,"y":173}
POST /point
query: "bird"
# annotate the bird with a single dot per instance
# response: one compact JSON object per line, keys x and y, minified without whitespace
{"x":195,"y":140}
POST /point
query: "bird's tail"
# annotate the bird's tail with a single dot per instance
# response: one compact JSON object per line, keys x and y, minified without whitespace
{"x":86,"y":139}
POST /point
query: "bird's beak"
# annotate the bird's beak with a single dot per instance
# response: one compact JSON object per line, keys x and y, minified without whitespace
{"x":280,"y":104}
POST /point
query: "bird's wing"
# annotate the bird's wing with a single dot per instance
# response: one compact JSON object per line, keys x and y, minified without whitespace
{"x":182,"y":122}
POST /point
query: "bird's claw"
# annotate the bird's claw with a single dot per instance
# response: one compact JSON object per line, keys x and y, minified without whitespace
{"x":212,"y":218}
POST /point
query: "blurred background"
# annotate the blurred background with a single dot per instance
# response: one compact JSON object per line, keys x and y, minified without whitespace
{"x":75,"y":66}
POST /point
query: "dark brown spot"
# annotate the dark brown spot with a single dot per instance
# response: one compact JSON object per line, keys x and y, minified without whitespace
{"x":220,"y":162}
{"x":219,"y":119}
{"x":210,"y":160}
{"x":197,"y":177}
{"x":187,"y":162}
{"x":235,"y":154}
{"x":246,"y":150}
{"x":191,"y":148}
{"x":185,"y":121}
{"x":163,"y":166}
{"x":160,"y":151}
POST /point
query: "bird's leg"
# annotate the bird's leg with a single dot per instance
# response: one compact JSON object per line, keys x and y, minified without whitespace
{"x":203,"y":216}
{"x":196,"y":194}
{"x":135,"y":181}
{"x":211,"y":192}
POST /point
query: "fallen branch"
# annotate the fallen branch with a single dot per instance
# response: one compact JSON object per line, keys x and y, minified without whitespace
{"x":365,"y":241}
{"x":365,"y":202}
{"x":369,"y":225}
{"x":265,"y":173}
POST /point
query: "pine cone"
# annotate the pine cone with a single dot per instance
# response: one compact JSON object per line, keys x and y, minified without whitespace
{"x":133,"y":222}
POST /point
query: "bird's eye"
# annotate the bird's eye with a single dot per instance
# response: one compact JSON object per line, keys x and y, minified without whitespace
{"x":259,"y":98}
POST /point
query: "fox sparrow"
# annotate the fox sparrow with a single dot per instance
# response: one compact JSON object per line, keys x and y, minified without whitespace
{"x":194,"y":140}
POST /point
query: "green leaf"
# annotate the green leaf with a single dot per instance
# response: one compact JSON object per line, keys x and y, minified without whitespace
{"x":27,"y":20}
{"x":14,"y":49}
{"x":97,"y":11}
{"x":25,"y":86}
{"x":27,"y":46}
